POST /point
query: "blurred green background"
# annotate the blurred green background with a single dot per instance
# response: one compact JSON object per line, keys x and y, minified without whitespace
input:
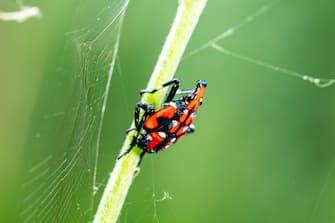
{"x":264,"y":146}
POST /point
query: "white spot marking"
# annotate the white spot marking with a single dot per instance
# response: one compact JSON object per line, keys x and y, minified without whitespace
{"x":149,"y":138}
{"x":162,"y":134}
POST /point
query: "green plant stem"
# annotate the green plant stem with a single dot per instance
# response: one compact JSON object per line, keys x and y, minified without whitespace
{"x":126,"y":169}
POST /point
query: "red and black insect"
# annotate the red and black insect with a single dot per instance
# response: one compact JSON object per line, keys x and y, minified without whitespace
{"x":171,"y":122}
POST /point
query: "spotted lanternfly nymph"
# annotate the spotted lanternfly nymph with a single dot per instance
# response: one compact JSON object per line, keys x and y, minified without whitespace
{"x":170,"y":122}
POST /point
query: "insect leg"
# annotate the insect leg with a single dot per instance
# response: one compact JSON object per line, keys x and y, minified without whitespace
{"x":141,"y":157}
{"x":175,"y":86}
{"x":148,"y":109}
{"x":185,"y":91}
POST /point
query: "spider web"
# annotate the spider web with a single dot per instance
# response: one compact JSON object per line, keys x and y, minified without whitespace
{"x":61,"y":180}
{"x":318,"y":80}
{"x":214,"y":44}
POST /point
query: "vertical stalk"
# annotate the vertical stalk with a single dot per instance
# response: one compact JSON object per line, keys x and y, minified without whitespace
{"x":125,"y":169}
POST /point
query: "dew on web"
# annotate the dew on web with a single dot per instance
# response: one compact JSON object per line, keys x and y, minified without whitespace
{"x":61,"y":181}
{"x":65,"y":181}
{"x":213,"y":43}
{"x":319,"y":82}
{"x":166,"y":196}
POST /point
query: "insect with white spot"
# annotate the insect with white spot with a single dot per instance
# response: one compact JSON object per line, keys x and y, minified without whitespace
{"x":168,"y":124}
